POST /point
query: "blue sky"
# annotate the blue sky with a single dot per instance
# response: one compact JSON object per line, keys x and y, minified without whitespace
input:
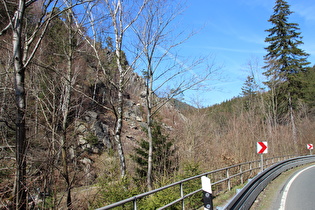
{"x":232,"y":32}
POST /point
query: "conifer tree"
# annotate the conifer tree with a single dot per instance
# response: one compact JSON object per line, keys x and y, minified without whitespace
{"x":164,"y":158}
{"x":309,"y":87}
{"x":249,"y":91}
{"x":286,"y":62}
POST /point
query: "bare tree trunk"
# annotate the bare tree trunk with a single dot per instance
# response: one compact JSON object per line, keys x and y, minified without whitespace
{"x":20,"y":188}
{"x":117,"y":136}
{"x":65,"y":171}
{"x":149,"y":131}
{"x":66,"y":108}
{"x":117,"y":23}
{"x":293,"y":127}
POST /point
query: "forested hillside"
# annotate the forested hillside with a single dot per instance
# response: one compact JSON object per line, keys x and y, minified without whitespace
{"x":88,"y":108}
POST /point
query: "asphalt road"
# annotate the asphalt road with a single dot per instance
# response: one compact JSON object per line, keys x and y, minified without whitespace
{"x":299,"y":191}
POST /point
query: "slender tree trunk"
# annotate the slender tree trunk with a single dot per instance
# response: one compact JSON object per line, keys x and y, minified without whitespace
{"x":64,"y":145}
{"x":118,"y":29}
{"x":149,"y":124}
{"x":65,"y":171}
{"x":119,"y":113}
{"x":66,"y":109}
{"x":20,"y":179}
{"x":150,"y":153}
{"x":20,"y":190}
{"x":117,"y":137}
{"x":293,"y":127}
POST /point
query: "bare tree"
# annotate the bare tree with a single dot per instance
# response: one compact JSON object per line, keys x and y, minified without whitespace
{"x":166,"y":75}
{"x":68,"y":82}
{"x":63,"y":103}
{"x":23,"y":53}
{"x":122,"y":15}
{"x":26,"y":38}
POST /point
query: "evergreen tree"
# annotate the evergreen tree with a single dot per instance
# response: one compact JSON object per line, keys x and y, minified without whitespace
{"x":285,"y":61}
{"x":309,"y":87}
{"x":164,"y":160}
{"x":249,"y":91}
{"x":286,"y":64}
{"x":249,"y":87}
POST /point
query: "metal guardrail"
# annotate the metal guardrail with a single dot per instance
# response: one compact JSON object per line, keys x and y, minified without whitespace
{"x":248,"y":194}
{"x":222,"y":180}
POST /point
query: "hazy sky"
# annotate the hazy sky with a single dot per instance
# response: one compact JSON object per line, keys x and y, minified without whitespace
{"x":233,"y":33}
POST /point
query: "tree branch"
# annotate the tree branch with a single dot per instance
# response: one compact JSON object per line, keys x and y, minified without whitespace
{"x":7,"y":124}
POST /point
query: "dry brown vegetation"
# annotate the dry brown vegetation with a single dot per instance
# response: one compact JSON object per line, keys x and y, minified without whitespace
{"x":71,"y":116}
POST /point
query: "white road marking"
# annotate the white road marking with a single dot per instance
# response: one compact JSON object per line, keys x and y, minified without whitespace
{"x":286,"y":190}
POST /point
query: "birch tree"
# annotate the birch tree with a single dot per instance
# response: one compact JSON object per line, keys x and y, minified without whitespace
{"x":165,"y":74}
{"x":24,"y":46}
{"x":26,"y":39}
{"x":122,"y":15}
{"x":68,"y":82}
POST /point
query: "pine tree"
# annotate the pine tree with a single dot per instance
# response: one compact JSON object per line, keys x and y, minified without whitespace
{"x":164,"y":160}
{"x":309,"y":87}
{"x":286,"y":63}
{"x":249,"y":90}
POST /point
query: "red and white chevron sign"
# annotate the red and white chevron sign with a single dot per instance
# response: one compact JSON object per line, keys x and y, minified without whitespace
{"x":310,"y":146}
{"x":262,"y":147}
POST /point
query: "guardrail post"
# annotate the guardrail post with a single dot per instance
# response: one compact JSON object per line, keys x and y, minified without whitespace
{"x":135,"y":204}
{"x":182,"y":195}
{"x":228,"y":178}
{"x":250,"y":168}
{"x":262,"y":162}
{"x":241,"y":172}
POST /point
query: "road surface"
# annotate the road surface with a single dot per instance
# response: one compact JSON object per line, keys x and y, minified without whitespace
{"x":299,"y":192}
{"x":293,"y":189}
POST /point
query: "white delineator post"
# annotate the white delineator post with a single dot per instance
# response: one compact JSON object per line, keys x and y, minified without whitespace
{"x":207,"y":193}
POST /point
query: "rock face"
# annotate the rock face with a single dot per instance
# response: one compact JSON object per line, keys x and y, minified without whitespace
{"x":102,"y":133}
{"x":133,"y":111}
{"x":94,"y":135}
{"x":96,"y":127}
{"x":95,"y":132}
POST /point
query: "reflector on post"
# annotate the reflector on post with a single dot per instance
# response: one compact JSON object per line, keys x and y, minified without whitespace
{"x":207,"y":193}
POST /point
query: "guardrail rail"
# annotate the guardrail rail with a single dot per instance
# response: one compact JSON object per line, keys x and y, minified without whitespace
{"x":248,"y":194}
{"x":222,"y":180}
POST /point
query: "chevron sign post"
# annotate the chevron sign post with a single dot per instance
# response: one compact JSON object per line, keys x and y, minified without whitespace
{"x":310,"y":147}
{"x":262,"y":148}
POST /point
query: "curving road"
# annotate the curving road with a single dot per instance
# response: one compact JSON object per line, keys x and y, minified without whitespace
{"x":299,"y":192}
